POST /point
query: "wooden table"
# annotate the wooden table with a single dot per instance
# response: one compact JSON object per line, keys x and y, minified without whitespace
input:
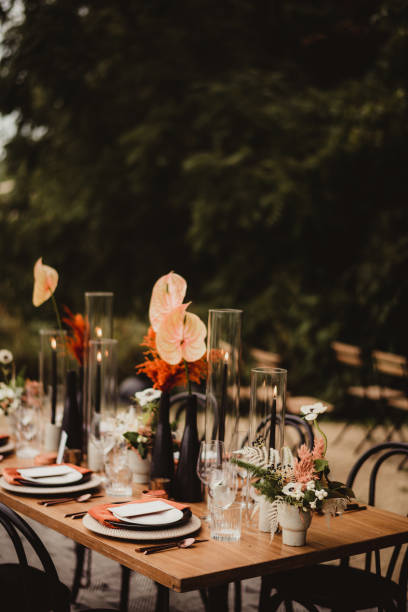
{"x":215,"y":564}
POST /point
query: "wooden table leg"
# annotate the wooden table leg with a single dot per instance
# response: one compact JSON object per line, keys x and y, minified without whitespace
{"x":163,"y":598}
{"x":218,"y":598}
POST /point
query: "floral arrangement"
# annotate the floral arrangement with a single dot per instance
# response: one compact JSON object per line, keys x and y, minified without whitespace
{"x":12,"y":386}
{"x":303,"y":481}
{"x":77,"y":334}
{"x":175,"y":340}
{"x":142,"y":439}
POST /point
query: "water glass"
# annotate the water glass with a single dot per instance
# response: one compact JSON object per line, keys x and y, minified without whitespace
{"x":223,"y":485}
{"x":225,"y":524}
{"x":118,"y":473}
{"x":28,"y":429}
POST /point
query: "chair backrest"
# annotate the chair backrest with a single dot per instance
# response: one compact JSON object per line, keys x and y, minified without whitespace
{"x":265,"y":359}
{"x":384,"y":451}
{"x":303,"y":429}
{"x":389,"y":363}
{"x":347,"y":354}
{"x":14,"y":525}
{"x":182,"y":399}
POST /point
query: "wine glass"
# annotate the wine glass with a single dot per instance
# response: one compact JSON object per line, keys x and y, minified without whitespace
{"x":210,"y":459}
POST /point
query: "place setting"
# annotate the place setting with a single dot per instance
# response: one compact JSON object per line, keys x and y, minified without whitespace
{"x":156,"y":519}
{"x":51,"y":479}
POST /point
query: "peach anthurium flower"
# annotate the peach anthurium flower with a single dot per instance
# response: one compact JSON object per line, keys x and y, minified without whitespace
{"x":168,"y":293}
{"x":181,"y":336}
{"x":45,"y":282}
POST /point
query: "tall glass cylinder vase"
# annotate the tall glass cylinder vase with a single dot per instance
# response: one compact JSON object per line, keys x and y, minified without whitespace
{"x":222,"y":390}
{"x":101,"y":396}
{"x":52,"y":374}
{"x":98,"y":325}
{"x":267,"y":406}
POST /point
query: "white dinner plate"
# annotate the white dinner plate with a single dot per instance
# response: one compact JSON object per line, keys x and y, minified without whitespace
{"x":70,"y":477}
{"x":189,"y":528}
{"x":7,"y":448}
{"x":171,"y":515}
{"x":92,"y":483}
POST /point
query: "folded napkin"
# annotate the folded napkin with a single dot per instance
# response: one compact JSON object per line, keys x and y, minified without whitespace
{"x":4,"y":438}
{"x":13,"y":477}
{"x":147,"y":495}
{"x":45,"y":459}
{"x":102,"y":514}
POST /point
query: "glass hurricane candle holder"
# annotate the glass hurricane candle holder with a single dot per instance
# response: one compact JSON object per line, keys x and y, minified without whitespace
{"x":267,"y":406}
{"x":101,"y":395}
{"x":52,"y":370}
{"x":98,"y":325}
{"x":222,"y":389}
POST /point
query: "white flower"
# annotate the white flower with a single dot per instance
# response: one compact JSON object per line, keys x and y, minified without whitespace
{"x":148,"y":395}
{"x":311,"y":412}
{"x":321,"y":494}
{"x":6,"y":356}
{"x":293,"y":489}
{"x":311,"y":485}
{"x":312,"y":504}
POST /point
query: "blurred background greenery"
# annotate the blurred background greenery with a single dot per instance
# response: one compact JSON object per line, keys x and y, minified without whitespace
{"x":258,"y":148}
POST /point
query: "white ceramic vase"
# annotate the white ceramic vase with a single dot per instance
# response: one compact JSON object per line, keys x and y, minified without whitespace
{"x":140,"y":467}
{"x":294,"y":523}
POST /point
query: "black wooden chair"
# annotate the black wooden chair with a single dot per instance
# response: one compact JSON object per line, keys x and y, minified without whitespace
{"x":302,"y":428}
{"x":344,"y":588}
{"x":25,"y":588}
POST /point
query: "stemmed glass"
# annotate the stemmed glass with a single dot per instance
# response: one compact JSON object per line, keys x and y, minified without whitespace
{"x":210,"y":461}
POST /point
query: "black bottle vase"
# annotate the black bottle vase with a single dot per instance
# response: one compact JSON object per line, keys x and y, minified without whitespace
{"x":187,"y":485}
{"x":162,"y":454}
{"x":72,"y":418}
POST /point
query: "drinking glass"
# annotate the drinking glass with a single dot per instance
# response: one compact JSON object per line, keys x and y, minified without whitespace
{"x":210,"y":460}
{"x":223,"y":485}
{"x":28,"y":429}
{"x":226,"y":523}
{"x":116,"y":461}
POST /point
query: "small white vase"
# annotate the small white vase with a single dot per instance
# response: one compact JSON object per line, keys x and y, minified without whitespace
{"x":294,"y":523}
{"x":52,"y":435}
{"x":140,"y":467}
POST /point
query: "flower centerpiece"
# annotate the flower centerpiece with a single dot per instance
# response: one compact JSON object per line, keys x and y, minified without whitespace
{"x":174,"y":357}
{"x":141,"y":438}
{"x":290,"y":489}
{"x":11,"y":385}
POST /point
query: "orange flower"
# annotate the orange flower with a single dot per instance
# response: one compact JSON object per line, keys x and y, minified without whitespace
{"x":76,"y":339}
{"x":164,"y":375}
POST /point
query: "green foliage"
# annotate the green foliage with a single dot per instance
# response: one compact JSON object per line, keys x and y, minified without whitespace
{"x":257,"y":148}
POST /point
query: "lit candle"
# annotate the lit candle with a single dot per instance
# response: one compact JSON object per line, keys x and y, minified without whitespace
{"x":273,"y":418}
{"x":98,"y":382}
{"x":98,"y":332}
{"x":221,"y":423}
{"x":53,"y":379}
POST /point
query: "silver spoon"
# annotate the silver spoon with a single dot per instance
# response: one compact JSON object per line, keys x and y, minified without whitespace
{"x":186,"y":543}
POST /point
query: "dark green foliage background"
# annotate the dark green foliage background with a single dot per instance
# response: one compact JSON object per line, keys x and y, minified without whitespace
{"x":259,"y":148}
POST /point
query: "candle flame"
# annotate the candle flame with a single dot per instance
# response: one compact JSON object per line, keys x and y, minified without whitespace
{"x":98,"y":331}
{"x":275,"y":391}
{"x":99,"y":356}
{"x":53,"y":344}
{"x":226,"y":356}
